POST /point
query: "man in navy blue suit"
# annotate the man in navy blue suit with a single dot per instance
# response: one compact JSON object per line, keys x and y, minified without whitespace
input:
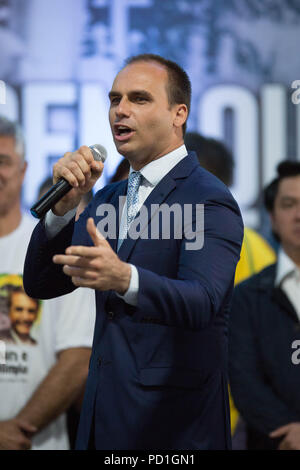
{"x":163,"y":285}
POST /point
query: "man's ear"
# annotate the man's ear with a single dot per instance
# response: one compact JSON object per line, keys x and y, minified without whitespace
{"x":181,"y":115}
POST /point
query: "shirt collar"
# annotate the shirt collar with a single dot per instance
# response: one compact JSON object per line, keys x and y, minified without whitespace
{"x":154,"y":171}
{"x":285,"y":267}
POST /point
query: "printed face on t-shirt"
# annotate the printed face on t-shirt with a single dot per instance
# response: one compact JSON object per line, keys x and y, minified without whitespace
{"x":22,"y":313}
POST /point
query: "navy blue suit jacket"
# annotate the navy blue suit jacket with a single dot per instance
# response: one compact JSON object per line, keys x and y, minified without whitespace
{"x":158,"y":371}
{"x":264,"y":381}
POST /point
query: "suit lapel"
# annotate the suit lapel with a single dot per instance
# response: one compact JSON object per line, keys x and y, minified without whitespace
{"x":158,"y":196}
{"x":267,"y":283}
{"x":283,"y":301}
{"x":118,"y":195}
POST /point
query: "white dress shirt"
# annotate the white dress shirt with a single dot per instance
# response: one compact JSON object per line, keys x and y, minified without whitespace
{"x":153,"y":173}
{"x":288,"y":278}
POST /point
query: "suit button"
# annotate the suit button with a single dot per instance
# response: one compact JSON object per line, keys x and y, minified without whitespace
{"x":99,"y":361}
{"x":111,"y":315}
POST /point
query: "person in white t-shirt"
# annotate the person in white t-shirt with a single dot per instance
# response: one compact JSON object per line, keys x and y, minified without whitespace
{"x":47,"y":343}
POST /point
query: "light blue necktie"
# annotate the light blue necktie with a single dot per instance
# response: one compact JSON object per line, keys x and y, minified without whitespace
{"x":134,"y":181}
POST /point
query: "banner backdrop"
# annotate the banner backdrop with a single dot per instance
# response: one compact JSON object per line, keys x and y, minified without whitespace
{"x":58,"y":60}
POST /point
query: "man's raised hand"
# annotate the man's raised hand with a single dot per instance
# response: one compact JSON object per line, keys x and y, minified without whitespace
{"x":81,"y":171}
{"x":97,"y":267}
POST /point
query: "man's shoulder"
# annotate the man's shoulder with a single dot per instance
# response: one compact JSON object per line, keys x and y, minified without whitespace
{"x":260,"y":281}
{"x":212,"y":192}
{"x":25,"y":227}
{"x":207,"y":184}
{"x":28,"y":221}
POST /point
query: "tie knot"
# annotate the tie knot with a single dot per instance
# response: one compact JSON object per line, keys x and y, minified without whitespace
{"x":134,"y":178}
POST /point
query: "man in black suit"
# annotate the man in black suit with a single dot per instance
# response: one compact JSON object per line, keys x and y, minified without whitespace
{"x":265,"y":328}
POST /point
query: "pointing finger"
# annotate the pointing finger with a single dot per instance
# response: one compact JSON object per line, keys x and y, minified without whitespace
{"x":280,"y":431}
{"x":94,"y":233}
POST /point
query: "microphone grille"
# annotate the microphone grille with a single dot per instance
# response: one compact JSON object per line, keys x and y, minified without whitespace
{"x":99,"y":152}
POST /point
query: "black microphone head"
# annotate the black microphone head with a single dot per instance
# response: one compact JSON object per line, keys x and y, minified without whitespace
{"x":99,"y":152}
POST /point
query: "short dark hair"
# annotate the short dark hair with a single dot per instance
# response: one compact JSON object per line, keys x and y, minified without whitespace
{"x":285,"y":169}
{"x":179,"y":90}
{"x":213,"y":155}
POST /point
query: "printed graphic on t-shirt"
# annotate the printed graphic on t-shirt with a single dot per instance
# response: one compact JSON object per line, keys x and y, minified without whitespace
{"x":19,"y":313}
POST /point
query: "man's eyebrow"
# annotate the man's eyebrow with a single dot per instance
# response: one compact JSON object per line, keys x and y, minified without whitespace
{"x":3,"y":156}
{"x":143,"y":93}
{"x":113,"y":94}
{"x":288,"y":198}
{"x":132,"y":93}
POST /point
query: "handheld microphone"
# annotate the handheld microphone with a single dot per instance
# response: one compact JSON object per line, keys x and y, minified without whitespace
{"x":62,"y":187}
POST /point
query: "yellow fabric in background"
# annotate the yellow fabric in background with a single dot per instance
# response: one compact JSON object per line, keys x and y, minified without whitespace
{"x":256,"y":254}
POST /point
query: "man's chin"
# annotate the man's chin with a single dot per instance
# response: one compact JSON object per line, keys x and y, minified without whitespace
{"x":126,"y":149}
{"x":23,"y":334}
